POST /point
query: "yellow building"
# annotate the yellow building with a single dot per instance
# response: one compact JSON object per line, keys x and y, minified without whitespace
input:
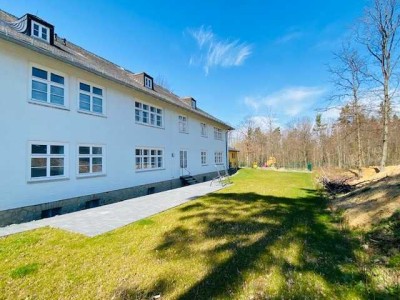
{"x":233,"y":158}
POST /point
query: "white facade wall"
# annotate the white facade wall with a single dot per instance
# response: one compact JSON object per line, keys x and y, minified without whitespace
{"x":22,"y":121}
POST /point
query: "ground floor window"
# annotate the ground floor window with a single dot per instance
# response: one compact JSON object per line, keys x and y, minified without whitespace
{"x":218,"y":157}
{"x":149,"y":158}
{"x":91,"y":160}
{"x":203,"y":158}
{"x":47,"y":160}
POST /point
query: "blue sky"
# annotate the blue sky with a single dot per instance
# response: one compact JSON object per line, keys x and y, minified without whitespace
{"x":239,"y":59}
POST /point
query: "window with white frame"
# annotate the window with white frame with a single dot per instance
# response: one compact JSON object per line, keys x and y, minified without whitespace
{"x":203,"y":157}
{"x":39,"y":31}
{"x":47,"y":87}
{"x":91,"y":98}
{"x":183,"y":124}
{"x":218,"y":157}
{"x":148,"y":82}
{"x":47,"y":160}
{"x":148,"y":115}
{"x":217,"y":133}
{"x":149,"y":159}
{"x":204,"y":131}
{"x":91,"y":160}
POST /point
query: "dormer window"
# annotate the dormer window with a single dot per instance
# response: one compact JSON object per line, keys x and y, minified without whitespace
{"x":193,"y":103}
{"x":148,"y":82}
{"x":41,"y":32}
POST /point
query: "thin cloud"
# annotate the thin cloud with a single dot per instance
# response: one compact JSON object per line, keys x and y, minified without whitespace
{"x":290,"y":102}
{"x":291,"y":36}
{"x":217,"y":52}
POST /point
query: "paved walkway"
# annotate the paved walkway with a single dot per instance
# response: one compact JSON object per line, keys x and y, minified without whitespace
{"x":95,"y":221}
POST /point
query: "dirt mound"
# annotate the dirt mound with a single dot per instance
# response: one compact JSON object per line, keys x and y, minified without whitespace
{"x":376,"y":196}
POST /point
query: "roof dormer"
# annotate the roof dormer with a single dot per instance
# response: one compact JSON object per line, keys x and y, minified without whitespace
{"x":145,"y":80}
{"x":35,"y":27}
{"x":190,"y":101}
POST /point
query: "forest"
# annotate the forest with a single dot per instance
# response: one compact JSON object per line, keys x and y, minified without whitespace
{"x":364,"y":93}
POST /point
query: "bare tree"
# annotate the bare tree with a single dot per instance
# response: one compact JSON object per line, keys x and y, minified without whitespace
{"x":379,"y":33}
{"x":348,"y":77}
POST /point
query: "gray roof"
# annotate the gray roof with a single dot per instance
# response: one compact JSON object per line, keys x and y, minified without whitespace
{"x":81,"y":58}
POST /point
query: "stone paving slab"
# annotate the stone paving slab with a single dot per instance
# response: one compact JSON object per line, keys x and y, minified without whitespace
{"x":95,"y":221}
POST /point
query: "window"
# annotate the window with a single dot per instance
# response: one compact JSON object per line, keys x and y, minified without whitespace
{"x":91,"y":160}
{"x":149,"y":115}
{"x":149,"y":159}
{"x":148,"y":82}
{"x":183,"y":124}
{"x":203,"y":158}
{"x":217,"y":133}
{"x":47,"y":87}
{"x":41,"y":32}
{"x":204,"y":129}
{"x":218,"y":157}
{"x":193,"y":103}
{"x":91,"y":98}
{"x":47,"y":160}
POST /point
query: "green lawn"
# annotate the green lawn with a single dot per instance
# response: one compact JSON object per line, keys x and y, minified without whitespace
{"x":268,"y":235}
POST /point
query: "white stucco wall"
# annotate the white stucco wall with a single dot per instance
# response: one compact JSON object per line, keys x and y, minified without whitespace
{"x":22,"y":121}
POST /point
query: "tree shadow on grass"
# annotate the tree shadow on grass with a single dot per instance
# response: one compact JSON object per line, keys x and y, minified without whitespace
{"x":258,"y":234}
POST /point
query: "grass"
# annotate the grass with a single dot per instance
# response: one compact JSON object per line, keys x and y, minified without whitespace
{"x":269,"y":235}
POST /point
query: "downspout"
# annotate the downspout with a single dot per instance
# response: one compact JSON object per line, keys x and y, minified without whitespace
{"x":226,"y":151}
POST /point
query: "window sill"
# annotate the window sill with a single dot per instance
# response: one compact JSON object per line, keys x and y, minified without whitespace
{"x":204,"y":165}
{"x":149,"y":125}
{"x":149,"y":170}
{"x":47,"y":104}
{"x":90,"y":175}
{"x":185,"y":132}
{"x":47,"y":179}
{"x":91,"y":113}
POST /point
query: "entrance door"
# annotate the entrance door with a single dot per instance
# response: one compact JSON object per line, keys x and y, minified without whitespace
{"x":183,"y":160}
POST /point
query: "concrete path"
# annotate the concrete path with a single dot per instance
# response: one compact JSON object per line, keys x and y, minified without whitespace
{"x":95,"y":221}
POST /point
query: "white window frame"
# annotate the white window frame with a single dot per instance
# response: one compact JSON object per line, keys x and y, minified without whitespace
{"x":48,"y":156}
{"x":152,"y":112}
{"x":91,"y":95}
{"x":91,"y":156}
{"x":183,"y":124}
{"x":218,"y":157}
{"x":217,"y":133}
{"x":40,"y":30}
{"x":143,"y":160}
{"x":183,"y":158}
{"x":203,"y":157}
{"x":148,"y":82}
{"x":204,"y":129}
{"x":49,"y":84}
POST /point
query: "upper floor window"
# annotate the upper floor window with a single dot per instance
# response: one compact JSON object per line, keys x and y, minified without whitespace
{"x":149,"y":115}
{"x":90,"y":160}
{"x":91,"y":98}
{"x":217,"y":133}
{"x":47,"y":160}
{"x":183,"y":124}
{"x":148,"y":82}
{"x":204,"y":129}
{"x":41,"y":32}
{"x":193,"y":103}
{"x":47,"y":86}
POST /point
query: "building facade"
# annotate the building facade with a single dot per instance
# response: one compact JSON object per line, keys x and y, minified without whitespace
{"x":79,"y":131}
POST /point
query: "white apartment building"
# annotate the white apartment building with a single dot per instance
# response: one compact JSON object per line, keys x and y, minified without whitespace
{"x":79,"y":131}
